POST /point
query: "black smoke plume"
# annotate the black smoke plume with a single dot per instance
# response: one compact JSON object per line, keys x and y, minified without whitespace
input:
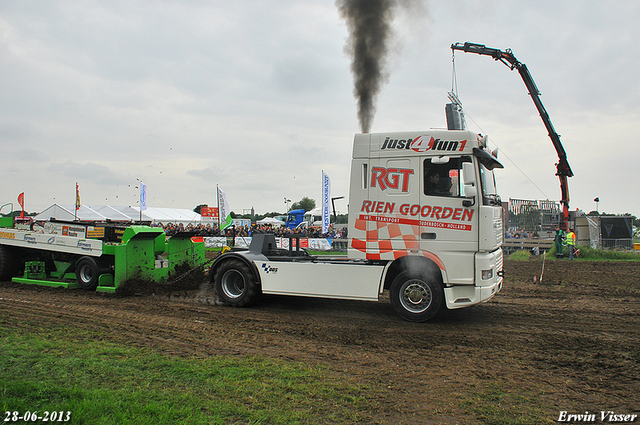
{"x":369,"y":27}
{"x":369,"y":23}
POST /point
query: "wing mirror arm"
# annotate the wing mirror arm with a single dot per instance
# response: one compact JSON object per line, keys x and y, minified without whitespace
{"x":470,"y":192}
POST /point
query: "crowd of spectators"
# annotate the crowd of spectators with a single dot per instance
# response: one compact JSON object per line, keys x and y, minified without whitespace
{"x":246,"y":231}
{"x":520,"y":234}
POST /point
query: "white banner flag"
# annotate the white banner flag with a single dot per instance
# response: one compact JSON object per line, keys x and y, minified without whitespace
{"x":143,"y":196}
{"x":223,"y":210}
{"x":326,"y":198}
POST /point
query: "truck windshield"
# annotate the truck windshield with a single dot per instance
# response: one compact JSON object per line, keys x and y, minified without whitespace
{"x":488,"y":185}
{"x":443,"y":179}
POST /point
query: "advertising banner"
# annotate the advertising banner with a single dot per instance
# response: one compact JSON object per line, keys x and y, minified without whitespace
{"x":143,"y":196}
{"x":326,"y":199}
{"x":317,"y":244}
{"x":209,"y":212}
{"x":225,"y":211}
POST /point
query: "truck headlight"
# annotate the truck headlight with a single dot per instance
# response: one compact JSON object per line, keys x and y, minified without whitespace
{"x":487,"y":274}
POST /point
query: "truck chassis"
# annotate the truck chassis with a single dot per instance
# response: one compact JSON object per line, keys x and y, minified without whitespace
{"x":415,"y":287}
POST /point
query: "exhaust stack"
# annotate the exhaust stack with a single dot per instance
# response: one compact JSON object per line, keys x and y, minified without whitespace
{"x":455,"y":114}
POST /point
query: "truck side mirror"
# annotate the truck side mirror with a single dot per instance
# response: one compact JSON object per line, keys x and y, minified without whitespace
{"x":469,"y":178}
{"x":468,"y":173}
{"x":469,"y":192}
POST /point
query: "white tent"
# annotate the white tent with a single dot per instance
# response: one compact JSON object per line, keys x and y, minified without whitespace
{"x":126,"y":214}
{"x":170,"y":215}
{"x":67,"y":213}
{"x":270,"y":220}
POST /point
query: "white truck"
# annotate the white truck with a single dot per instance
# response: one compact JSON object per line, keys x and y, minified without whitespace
{"x":425,"y":223}
{"x":313,"y":218}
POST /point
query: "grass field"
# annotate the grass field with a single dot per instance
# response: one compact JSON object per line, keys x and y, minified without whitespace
{"x":99,"y":382}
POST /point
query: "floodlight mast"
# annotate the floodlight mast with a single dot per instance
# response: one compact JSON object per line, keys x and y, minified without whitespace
{"x":507,"y":58}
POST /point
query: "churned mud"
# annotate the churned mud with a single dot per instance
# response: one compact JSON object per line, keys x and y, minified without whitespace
{"x":569,"y":343}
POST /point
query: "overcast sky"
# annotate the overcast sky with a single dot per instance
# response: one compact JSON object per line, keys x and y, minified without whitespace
{"x":256,"y":96}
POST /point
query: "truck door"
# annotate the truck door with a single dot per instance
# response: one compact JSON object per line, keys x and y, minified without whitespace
{"x":383,"y":179}
{"x":448,"y":219}
{"x":393,"y":183}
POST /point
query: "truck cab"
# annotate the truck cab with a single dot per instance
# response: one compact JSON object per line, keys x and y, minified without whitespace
{"x":313,"y":218}
{"x":294,"y":218}
{"x":428,"y":200}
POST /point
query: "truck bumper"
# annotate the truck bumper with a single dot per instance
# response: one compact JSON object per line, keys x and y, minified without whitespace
{"x":489,"y":274}
{"x":467,"y":295}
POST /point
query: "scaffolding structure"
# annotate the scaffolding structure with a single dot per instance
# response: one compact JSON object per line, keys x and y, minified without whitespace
{"x":533,"y":215}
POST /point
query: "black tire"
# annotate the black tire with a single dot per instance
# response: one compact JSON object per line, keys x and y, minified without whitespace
{"x":9,"y":266}
{"x":235,"y":285}
{"x":87,"y":273}
{"x":416,"y":298}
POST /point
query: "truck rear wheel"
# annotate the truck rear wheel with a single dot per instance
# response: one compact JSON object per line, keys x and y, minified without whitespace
{"x":87,"y":273}
{"x":234,"y":284}
{"x":416,"y":298}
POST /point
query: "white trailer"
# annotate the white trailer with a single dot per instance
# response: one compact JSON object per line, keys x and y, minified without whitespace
{"x":425,"y":223}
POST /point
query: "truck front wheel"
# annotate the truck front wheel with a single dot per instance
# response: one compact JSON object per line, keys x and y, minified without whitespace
{"x":416,"y":298}
{"x":234,"y":284}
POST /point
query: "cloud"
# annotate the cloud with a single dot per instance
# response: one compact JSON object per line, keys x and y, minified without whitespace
{"x":88,"y":172}
{"x":256,"y":96}
{"x":207,"y":174}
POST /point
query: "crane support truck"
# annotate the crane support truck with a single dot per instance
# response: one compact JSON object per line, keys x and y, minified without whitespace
{"x":563,"y":170}
{"x":425,"y":223}
{"x":92,"y":256}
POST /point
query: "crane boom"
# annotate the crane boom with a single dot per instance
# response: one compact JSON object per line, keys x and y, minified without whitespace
{"x":562,"y":167}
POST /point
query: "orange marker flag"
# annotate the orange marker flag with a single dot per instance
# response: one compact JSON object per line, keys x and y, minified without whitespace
{"x":21,"y":202}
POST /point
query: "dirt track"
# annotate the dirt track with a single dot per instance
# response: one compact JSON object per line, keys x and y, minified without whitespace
{"x":570,"y":343}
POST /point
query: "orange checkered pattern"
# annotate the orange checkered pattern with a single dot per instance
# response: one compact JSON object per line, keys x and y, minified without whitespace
{"x":389,"y":241}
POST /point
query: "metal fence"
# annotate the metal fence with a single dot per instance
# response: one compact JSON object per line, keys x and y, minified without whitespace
{"x":533,"y":215}
{"x":617,"y":243}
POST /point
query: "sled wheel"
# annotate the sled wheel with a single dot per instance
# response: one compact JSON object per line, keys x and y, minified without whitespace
{"x":9,"y":267}
{"x":87,"y":273}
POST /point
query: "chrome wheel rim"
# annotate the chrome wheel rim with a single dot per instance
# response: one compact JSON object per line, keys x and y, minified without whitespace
{"x":233,"y":284}
{"x":86,"y":274}
{"x":416,"y":296}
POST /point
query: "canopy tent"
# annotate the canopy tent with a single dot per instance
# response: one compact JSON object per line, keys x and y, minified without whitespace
{"x":66,"y":213}
{"x":270,"y":220}
{"x":113,"y":213}
{"x":170,"y":215}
